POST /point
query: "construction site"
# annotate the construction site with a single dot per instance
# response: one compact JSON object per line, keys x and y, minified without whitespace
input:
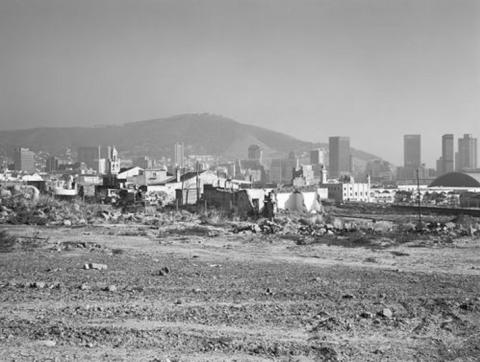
{"x":88,"y":281}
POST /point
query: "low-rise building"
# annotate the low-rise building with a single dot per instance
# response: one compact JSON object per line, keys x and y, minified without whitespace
{"x":349,"y":191}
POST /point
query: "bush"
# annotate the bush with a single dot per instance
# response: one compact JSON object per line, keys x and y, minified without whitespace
{"x":7,"y":242}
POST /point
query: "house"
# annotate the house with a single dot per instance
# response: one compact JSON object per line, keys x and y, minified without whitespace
{"x":347,"y":190}
{"x":130,"y":172}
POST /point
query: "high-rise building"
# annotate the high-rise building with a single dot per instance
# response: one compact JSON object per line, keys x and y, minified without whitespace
{"x":90,"y":156}
{"x":466,"y":157}
{"x":281,"y":170}
{"x":179,"y":155}
{"x":144,"y":162}
{"x":412,"y":154}
{"x":23,"y":159}
{"x":52,"y":164}
{"x":317,"y":157}
{"x":340,"y":160}
{"x":254,"y":152}
{"x":447,"y":160}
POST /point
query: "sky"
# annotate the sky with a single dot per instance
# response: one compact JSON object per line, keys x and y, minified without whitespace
{"x":373,"y":70}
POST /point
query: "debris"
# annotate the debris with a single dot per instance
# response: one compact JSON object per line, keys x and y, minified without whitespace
{"x":95,"y":266}
{"x":38,"y":285}
{"x":84,"y":286}
{"x":163,"y":271}
{"x":48,"y":343}
{"x":111,"y":288}
{"x":386,"y":313}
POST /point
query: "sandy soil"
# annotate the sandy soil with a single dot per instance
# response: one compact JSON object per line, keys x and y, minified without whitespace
{"x":234,"y":297}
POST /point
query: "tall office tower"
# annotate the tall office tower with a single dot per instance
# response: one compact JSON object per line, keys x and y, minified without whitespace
{"x":24,"y":159}
{"x":448,"y":154}
{"x":317,"y":157}
{"x":412,"y":154}
{"x":467,"y":153}
{"x":340,"y":161}
{"x":90,"y":156}
{"x":254,"y":152}
{"x":52,"y":164}
{"x":179,"y":155}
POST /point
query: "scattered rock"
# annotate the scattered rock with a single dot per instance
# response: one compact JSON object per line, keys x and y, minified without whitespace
{"x":38,"y":285}
{"x":111,"y":288}
{"x":67,"y":223}
{"x":48,"y":343}
{"x":366,"y":315}
{"x":163,"y":271}
{"x":95,"y":266}
{"x":84,"y":286}
{"x":386,"y":313}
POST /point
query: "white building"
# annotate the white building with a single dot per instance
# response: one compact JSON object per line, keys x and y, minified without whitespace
{"x":349,"y":191}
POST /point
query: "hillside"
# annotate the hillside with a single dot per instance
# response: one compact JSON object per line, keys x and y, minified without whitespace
{"x":201,"y":133}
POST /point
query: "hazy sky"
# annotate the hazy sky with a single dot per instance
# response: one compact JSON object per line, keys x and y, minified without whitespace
{"x":371,"y":69}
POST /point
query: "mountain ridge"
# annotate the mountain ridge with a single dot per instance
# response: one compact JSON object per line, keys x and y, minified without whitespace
{"x":202,"y":133}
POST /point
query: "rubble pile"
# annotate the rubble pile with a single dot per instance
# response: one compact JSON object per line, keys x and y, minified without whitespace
{"x":320,"y":226}
{"x":16,"y":209}
{"x":19,"y":207}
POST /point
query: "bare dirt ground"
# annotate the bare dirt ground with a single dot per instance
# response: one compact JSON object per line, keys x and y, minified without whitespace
{"x":234,"y":297}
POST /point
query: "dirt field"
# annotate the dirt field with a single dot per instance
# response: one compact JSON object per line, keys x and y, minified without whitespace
{"x":234,"y":297}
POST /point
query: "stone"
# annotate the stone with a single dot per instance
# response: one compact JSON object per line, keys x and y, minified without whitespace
{"x":386,"y":313}
{"x":84,"y":286}
{"x":95,"y":266}
{"x":337,"y":223}
{"x":111,"y":288}
{"x":48,"y":343}
{"x":163,"y":271}
{"x":67,"y":222}
{"x":39,"y":285}
{"x":366,"y":315}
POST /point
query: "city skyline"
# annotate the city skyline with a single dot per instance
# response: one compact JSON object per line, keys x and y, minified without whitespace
{"x":308,"y":69}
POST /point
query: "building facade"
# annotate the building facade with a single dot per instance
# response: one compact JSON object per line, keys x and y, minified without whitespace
{"x":317,"y":157}
{"x":448,"y":154}
{"x":340,"y":159}
{"x":348,"y":192}
{"x":255,"y":152}
{"x":466,"y":157}
{"x":412,"y":154}
{"x":179,"y":155}
{"x":24,"y":159}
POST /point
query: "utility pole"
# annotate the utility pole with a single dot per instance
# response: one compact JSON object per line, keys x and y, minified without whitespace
{"x":419,"y":200}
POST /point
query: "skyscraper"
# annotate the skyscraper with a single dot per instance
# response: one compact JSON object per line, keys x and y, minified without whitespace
{"x":179,"y":155}
{"x":254,"y":152}
{"x":24,"y":159}
{"x":467,"y":153}
{"x":412,"y":154}
{"x":448,"y":154}
{"x":340,"y":162}
{"x":317,"y":157}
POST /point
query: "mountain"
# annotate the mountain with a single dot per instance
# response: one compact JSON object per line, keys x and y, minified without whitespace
{"x":201,"y":134}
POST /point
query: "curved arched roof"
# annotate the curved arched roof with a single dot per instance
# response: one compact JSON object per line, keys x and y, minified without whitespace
{"x":456,"y":179}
